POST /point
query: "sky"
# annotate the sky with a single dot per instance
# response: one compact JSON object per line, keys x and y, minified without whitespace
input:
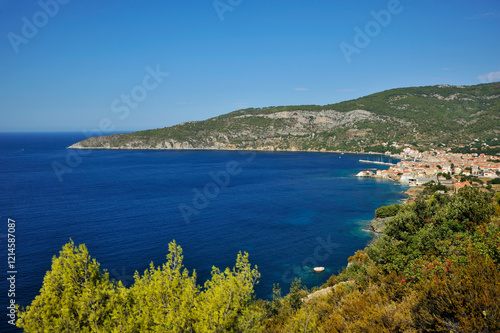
{"x":124,"y":65}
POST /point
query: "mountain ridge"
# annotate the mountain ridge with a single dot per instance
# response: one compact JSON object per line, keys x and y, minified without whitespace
{"x":421,"y":116}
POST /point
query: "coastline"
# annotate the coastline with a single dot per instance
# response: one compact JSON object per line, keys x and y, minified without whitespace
{"x":377,"y":224}
{"x":369,"y":229}
{"x":412,"y":193}
{"x":240,"y":149}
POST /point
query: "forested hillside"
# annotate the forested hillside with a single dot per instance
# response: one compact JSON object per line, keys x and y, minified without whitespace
{"x":422,"y":116}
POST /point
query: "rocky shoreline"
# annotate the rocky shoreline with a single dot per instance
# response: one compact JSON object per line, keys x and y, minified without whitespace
{"x":79,"y":145}
{"x":412,"y":193}
{"x":377,"y":225}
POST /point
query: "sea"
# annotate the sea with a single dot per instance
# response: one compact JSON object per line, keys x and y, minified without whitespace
{"x":291,"y":211}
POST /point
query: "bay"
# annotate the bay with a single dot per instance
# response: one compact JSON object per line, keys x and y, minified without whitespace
{"x":290,"y":211}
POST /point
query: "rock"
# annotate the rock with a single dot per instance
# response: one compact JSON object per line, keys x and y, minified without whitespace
{"x":326,"y":291}
{"x":413,"y":192}
{"x":378,"y":224}
{"x":318,"y":269}
{"x":286,"y":130}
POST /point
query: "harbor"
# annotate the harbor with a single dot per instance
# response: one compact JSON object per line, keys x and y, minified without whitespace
{"x":376,"y":162}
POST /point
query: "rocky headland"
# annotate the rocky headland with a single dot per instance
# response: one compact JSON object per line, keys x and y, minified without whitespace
{"x":369,"y":123}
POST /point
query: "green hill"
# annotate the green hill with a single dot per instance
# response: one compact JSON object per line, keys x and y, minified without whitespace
{"x":421,"y":116}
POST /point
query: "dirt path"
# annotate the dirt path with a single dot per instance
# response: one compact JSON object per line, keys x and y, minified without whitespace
{"x":324,"y":291}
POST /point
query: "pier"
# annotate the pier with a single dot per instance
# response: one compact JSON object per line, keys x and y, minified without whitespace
{"x":376,"y":162}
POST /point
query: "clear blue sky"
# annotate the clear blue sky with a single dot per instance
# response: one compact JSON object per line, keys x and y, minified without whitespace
{"x":87,"y":55}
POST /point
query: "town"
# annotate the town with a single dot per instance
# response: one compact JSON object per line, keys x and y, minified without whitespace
{"x":450,"y":169}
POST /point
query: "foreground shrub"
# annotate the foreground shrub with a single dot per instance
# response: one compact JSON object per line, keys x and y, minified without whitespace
{"x":387,"y":211}
{"x":78,"y":297}
{"x":467,"y":301}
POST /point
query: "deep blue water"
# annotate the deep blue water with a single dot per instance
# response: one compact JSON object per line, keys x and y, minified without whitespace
{"x":289,"y":211}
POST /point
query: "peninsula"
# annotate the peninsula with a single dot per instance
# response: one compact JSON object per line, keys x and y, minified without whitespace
{"x":421,"y":117}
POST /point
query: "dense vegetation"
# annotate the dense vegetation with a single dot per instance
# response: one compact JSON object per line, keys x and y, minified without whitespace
{"x":433,"y":116}
{"x":77,"y":296}
{"x":434,"y":269}
{"x":386,"y":211}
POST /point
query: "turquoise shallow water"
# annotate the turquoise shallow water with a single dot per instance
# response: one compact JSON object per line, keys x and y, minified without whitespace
{"x":290,"y":211}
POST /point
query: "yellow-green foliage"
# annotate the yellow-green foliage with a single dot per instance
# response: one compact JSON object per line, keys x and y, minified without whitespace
{"x":162,"y":299}
{"x":360,"y":257}
{"x":303,"y":320}
{"x":221,"y":305}
{"x":77,"y":297}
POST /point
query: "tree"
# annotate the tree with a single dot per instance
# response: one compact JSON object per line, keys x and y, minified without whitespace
{"x":494,"y":181}
{"x":273,"y":308}
{"x":469,"y":205}
{"x":78,"y":297}
{"x":163,"y":298}
{"x":222,"y":305}
{"x":74,"y":297}
{"x":446,"y":175}
{"x":295,"y":296}
{"x":386,"y":211}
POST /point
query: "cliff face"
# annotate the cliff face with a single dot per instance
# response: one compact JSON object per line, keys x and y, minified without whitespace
{"x":289,"y":130}
{"x":120,"y":141}
{"x":378,"y":224}
{"x":424,"y":115}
